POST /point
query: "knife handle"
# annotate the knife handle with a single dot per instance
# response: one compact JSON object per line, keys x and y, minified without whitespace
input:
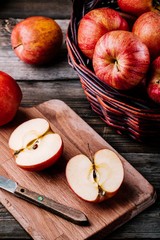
{"x":68,"y":213}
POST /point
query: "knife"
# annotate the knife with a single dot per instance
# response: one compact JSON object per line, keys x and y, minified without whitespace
{"x":68,"y":213}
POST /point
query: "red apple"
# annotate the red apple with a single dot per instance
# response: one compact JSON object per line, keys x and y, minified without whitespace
{"x":120,"y":59}
{"x":37,"y":40}
{"x":153,"y":88}
{"x":34,"y":145}
{"x":138,"y":7}
{"x":147,"y":28}
{"x":10,"y":98}
{"x":97,"y":179}
{"x":95,"y":24}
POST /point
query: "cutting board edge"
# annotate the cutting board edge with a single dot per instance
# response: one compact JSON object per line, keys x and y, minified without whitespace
{"x":141,"y":206}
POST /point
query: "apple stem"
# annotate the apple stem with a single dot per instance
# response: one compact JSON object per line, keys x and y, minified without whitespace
{"x":158,"y":81}
{"x":116,"y":64}
{"x":17,"y":46}
{"x":91,"y":155}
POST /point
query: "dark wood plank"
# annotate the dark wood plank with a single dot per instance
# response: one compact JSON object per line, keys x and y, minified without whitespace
{"x":23,"y":8}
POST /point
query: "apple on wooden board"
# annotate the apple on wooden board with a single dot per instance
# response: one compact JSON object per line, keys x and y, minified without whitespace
{"x":138,"y":7}
{"x":10,"y":98}
{"x":120,"y":59}
{"x":34,"y":145}
{"x":97,"y":179}
{"x":37,"y":40}
{"x":153,"y":87}
{"x":96,"y":23}
{"x":147,"y":28}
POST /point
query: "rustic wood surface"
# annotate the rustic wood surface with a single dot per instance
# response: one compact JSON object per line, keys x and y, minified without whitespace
{"x":61,"y":82}
{"x":76,"y":134}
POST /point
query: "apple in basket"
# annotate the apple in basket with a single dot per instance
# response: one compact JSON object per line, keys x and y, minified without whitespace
{"x":153,"y":88}
{"x":96,"y":23}
{"x":10,"y":98}
{"x":96,"y":179}
{"x":120,"y":59}
{"x":138,"y":7}
{"x":34,"y":145}
{"x":36,"y":40}
{"x":147,"y":28}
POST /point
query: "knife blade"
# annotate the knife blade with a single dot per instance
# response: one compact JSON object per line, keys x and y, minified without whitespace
{"x":66,"y":212}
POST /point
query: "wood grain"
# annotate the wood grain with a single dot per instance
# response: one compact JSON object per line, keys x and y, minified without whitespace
{"x":104,"y":217}
{"x":22,"y":8}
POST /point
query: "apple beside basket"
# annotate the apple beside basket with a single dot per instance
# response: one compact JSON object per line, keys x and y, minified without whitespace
{"x":129,"y":113}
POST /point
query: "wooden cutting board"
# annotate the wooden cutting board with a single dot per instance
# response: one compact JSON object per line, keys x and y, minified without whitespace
{"x":135,"y":195}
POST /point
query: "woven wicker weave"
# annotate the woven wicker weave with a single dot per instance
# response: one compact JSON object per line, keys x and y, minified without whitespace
{"x":127,"y":113}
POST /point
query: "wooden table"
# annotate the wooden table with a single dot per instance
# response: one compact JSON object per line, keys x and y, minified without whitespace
{"x":60,"y":81}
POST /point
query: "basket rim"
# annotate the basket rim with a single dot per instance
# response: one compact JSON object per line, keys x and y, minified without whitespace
{"x":138,"y":114}
{"x":82,"y":70}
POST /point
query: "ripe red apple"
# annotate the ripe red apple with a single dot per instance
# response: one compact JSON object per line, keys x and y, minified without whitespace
{"x":138,"y":7}
{"x":10,"y":98}
{"x":34,"y":145}
{"x":95,"y":24}
{"x":120,"y":59}
{"x":147,"y":28}
{"x":153,"y":88}
{"x":37,"y":40}
{"x":97,"y":179}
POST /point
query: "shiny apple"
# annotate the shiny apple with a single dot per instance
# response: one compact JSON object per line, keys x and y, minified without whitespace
{"x":10,"y":98}
{"x":153,"y":88}
{"x":37,"y":40}
{"x":96,"y":23}
{"x":147,"y":28}
{"x":138,"y":7}
{"x":120,"y":59}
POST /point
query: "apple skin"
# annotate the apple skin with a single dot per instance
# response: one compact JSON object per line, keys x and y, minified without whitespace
{"x":121,"y":60}
{"x":37,"y":40}
{"x":138,"y":7}
{"x":147,"y":28}
{"x":153,"y":87}
{"x":96,"y":23}
{"x":10,"y":98}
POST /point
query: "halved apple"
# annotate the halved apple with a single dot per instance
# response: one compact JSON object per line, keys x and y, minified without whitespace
{"x":96,"y":179}
{"x":34,"y":145}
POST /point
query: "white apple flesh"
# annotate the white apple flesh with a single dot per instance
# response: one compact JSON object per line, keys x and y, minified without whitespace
{"x":34,"y":145}
{"x":97,"y":179}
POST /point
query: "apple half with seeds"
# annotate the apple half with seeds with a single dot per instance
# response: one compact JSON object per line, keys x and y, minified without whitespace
{"x":34,"y":145}
{"x":97,"y":179}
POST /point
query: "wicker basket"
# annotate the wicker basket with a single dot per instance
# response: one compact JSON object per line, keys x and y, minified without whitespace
{"x":128,"y":114}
